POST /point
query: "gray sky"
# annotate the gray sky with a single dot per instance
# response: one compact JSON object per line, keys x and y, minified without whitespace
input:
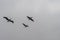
{"x":46,"y":14}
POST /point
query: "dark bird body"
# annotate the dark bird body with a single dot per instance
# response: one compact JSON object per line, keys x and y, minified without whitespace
{"x":8,"y":20}
{"x":25,"y":25}
{"x":30,"y":18}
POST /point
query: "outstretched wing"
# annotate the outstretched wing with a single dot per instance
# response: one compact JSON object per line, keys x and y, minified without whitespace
{"x":31,"y":19}
{"x":5,"y":18}
{"x":12,"y":21}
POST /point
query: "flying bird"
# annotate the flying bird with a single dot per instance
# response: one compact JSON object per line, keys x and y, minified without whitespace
{"x":25,"y":25}
{"x":8,"y":20}
{"x":30,"y":18}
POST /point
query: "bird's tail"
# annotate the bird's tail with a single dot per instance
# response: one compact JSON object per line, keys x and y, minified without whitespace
{"x":8,"y":21}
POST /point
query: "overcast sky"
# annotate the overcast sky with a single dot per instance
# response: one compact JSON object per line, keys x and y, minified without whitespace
{"x":46,"y":14}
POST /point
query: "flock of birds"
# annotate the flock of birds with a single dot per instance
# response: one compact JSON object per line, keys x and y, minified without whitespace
{"x":9,"y":20}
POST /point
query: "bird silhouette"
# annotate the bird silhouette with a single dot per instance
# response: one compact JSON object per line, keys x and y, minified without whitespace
{"x":25,"y":25}
{"x":30,"y":18}
{"x":8,"y":20}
